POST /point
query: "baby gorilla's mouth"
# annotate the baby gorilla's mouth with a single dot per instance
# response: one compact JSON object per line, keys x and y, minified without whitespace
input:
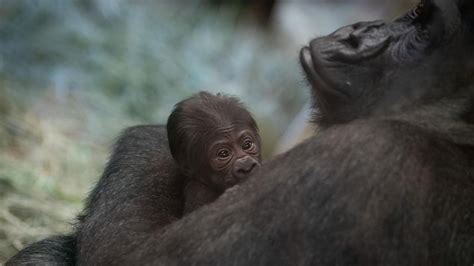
{"x":240,"y":175}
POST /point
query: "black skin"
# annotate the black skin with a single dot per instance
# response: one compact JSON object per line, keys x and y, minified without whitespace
{"x":389,"y":180}
{"x":215,"y":142}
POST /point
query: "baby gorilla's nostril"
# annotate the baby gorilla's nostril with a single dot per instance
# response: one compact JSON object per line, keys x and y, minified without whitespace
{"x":244,"y":166}
{"x":248,"y":168}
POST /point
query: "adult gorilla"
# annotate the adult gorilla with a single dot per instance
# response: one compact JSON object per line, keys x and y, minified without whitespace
{"x":389,"y":180}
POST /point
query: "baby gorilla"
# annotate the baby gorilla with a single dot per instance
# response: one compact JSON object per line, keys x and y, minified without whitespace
{"x":215,"y":143}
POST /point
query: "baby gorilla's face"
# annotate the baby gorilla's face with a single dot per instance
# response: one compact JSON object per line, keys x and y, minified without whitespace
{"x":233,"y":154}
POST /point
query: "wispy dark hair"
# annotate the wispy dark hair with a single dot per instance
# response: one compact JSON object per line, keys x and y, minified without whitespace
{"x":196,"y":117}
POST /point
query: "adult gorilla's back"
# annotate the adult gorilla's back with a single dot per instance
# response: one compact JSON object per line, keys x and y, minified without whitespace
{"x":389,"y":180}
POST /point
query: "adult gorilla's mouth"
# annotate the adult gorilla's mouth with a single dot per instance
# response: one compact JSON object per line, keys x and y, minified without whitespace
{"x":316,"y":75}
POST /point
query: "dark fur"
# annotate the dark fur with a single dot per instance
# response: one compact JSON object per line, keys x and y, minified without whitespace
{"x":135,"y":195}
{"x":388,"y":181}
{"x":196,"y":195}
{"x":200,"y":115}
{"x":56,"y":250}
{"x":191,"y":128}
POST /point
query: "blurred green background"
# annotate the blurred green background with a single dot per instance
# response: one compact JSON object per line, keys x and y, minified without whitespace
{"x":73,"y":74}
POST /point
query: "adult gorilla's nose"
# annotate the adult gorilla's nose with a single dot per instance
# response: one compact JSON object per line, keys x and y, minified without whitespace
{"x":357,"y":30}
{"x":244,"y":166}
{"x":352,"y":44}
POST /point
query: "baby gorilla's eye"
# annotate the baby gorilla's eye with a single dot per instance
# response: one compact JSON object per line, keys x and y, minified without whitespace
{"x":247,"y":145}
{"x":223,"y":153}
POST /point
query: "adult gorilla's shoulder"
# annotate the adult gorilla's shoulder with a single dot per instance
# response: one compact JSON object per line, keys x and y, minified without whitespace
{"x":362,"y":193}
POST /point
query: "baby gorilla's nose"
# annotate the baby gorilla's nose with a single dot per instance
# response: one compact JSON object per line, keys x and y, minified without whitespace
{"x":244,"y":166}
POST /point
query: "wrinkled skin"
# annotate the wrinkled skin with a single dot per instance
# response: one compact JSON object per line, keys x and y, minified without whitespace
{"x":388,"y":181}
{"x":377,"y":68}
{"x":215,"y":143}
{"x":233,"y":155}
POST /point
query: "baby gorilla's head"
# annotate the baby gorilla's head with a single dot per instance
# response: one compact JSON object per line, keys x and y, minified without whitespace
{"x":214,"y":139}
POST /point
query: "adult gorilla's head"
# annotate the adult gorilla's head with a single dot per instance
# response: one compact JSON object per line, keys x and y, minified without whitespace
{"x":375,"y":68}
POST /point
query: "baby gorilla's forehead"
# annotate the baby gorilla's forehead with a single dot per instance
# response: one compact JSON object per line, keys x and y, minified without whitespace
{"x":230,"y":133}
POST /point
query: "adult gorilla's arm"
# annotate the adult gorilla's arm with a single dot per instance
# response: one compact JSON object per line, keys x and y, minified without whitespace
{"x":138,"y":193}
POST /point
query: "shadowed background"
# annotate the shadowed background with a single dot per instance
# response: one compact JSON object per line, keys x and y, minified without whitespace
{"x":73,"y":74}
